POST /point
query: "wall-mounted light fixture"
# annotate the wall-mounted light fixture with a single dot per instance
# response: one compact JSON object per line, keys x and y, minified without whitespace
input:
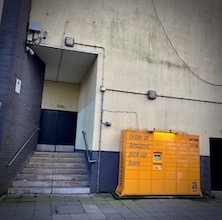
{"x":164,"y":131}
{"x":151,"y":94}
{"x":69,"y":41}
{"x":30,"y":50}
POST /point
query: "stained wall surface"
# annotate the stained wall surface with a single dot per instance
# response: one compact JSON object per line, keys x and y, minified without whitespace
{"x":180,"y":62}
{"x":172,"y":47}
{"x":60,"y":96}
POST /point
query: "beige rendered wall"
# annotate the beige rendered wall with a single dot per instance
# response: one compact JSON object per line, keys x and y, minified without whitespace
{"x":182,"y":61}
{"x":60,"y":96}
{"x":86,"y":111}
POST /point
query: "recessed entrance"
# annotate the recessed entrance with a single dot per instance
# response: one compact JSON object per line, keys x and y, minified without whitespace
{"x":72,"y":76}
{"x":216,"y":163}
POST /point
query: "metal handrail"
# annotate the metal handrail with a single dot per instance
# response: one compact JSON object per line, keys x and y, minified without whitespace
{"x":21,"y":148}
{"x":87,"y":149}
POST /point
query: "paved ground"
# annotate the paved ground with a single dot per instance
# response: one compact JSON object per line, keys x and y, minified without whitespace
{"x":104,"y":206}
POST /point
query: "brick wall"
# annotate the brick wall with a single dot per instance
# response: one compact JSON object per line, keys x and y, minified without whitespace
{"x":19,"y":113}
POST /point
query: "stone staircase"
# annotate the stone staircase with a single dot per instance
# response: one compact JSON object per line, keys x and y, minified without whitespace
{"x":52,"y":173}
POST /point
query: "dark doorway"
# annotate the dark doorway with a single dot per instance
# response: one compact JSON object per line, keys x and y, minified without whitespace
{"x":216,"y":163}
{"x":57,"y":127}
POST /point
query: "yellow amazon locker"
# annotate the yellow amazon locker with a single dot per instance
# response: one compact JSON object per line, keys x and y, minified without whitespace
{"x":158,"y":163}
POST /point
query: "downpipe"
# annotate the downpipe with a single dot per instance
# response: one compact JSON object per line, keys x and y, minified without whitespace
{"x":100,"y":141}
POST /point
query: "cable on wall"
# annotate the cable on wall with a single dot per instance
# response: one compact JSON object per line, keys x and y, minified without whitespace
{"x":189,"y":99}
{"x":124,"y":91}
{"x":165,"y":96}
{"x":174,"y":49}
{"x":125,"y":112}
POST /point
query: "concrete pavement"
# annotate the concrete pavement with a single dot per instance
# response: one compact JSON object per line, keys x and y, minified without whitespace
{"x":104,"y":206}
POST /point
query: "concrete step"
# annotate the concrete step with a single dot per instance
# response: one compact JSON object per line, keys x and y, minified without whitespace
{"x":55,"y":183}
{"x":58,"y":154}
{"x":70,"y":177}
{"x":52,"y":173}
{"x":48,"y":190}
{"x":56,"y":160}
{"x":28,"y":170}
{"x":55,"y":148}
{"x":55,"y":165}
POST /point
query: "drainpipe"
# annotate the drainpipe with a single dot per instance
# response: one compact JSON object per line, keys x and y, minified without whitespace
{"x":102,"y":90}
{"x":100,"y":139}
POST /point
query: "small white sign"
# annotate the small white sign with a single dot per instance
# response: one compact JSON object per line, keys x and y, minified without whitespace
{"x":18,"y":85}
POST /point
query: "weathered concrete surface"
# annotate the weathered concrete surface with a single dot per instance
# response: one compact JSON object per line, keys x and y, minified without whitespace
{"x":104,"y":206}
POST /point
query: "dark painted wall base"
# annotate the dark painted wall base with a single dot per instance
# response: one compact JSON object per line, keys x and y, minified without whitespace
{"x":109,"y":169}
{"x":108,"y":174}
{"x":205,"y":174}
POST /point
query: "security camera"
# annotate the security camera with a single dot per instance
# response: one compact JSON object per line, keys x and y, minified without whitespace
{"x":30,"y":50}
